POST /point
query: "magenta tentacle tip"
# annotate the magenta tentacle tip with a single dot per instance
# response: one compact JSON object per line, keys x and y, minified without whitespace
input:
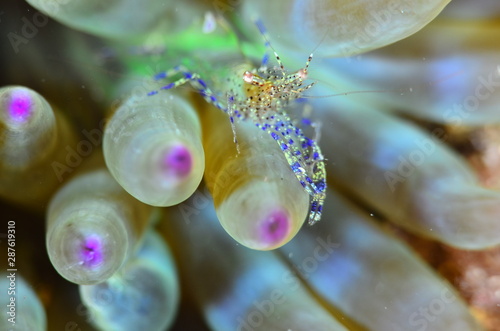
{"x":275,"y":227}
{"x":20,"y":106}
{"x":91,"y":251}
{"x":177,"y":161}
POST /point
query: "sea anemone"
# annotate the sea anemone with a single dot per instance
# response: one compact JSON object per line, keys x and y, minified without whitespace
{"x":130,"y":201}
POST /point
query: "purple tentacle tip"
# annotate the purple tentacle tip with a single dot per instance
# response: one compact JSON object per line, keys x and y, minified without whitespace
{"x":177,"y":161}
{"x":91,"y":253}
{"x":275,"y":227}
{"x":20,"y":105}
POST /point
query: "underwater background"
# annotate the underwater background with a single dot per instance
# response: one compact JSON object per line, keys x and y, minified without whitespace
{"x":129,"y":203}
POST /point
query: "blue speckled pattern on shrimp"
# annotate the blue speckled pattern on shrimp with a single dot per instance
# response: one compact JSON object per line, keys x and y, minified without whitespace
{"x":264,"y":96}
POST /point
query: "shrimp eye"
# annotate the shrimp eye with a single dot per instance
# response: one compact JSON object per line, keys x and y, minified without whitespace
{"x":302,"y":73}
{"x":248,"y":77}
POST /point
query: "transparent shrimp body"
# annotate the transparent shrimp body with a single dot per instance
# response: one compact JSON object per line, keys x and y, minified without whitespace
{"x":267,"y":96}
{"x":263,"y":96}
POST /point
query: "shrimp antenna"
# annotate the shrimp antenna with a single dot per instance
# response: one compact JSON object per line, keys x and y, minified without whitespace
{"x":260,"y":25}
{"x":345,"y":93}
{"x":400,"y":90}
